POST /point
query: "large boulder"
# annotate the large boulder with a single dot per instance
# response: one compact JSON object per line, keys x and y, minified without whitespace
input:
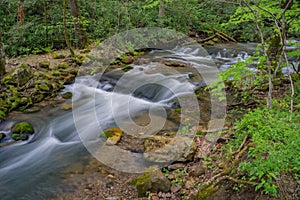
{"x":168,"y":149}
{"x":19,"y":76}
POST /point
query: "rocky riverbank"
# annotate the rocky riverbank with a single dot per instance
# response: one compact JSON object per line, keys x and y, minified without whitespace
{"x":36,"y":81}
{"x":42,"y":79}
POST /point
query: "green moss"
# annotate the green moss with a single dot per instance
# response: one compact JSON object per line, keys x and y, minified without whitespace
{"x":143,"y":184}
{"x":44,"y":64}
{"x":48,"y":75}
{"x":25,"y":102}
{"x":55,"y":73}
{"x":22,"y":137}
{"x":207,"y":192}
{"x":18,"y":76}
{"x":44,"y":87}
{"x":14,"y":103}
{"x":56,"y":55}
{"x":14,"y":90}
{"x":127,"y":68}
{"x":57,"y":86}
{"x":106,"y":134}
{"x":6,"y":79}
{"x":198,"y":133}
{"x":23,"y":127}
{"x":63,"y":65}
{"x":67,"y":95}
{"x":2,"y":114}
{"x":178,"y":110}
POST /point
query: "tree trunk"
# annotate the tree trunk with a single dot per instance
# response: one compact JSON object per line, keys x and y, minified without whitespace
{"x":2,"y":58}
{"x":161,"y":12}
{"x":20,"y":16}
{"x":79,"y":29}
{"x":65,"y":30}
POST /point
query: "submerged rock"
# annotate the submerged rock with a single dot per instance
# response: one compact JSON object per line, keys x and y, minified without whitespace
{"x":67,"y":95}
{"x":127,"y":68}
{"x":22,"y":137}
{"x":172,"y":63}
{"x":67,"y":106}
{"x":2,"y":135}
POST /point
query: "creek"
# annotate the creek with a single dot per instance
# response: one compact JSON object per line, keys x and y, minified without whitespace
{"x":35,"y":169}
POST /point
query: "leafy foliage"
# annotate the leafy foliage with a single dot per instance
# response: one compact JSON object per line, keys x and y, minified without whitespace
{"x":276,"y":146}
{"x":242,"y":25}
{"x":43,"y":26}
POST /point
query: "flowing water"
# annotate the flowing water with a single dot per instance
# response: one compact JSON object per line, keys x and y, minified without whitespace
{"x":34,"y":169}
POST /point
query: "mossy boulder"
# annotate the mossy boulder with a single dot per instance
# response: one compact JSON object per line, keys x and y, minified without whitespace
{"x":63,"y":65}
{"x":45,"y":64}
{"x":56,"y":55}
{"x":23,"y":128}
{"x":19,"y":76}
{"x":152,"y":180}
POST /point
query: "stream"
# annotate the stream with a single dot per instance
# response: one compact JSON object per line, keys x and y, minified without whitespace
{"x":35,"y":169}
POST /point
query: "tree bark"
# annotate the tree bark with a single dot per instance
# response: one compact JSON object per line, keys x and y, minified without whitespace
{"x":161,"y":12}
{"x":65,"y":29}
{"x":2,"y":58}
{"x":79,"y":29}
{"x":21,"y":15}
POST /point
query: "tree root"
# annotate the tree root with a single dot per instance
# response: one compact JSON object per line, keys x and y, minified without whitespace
{"x":212,"y":184}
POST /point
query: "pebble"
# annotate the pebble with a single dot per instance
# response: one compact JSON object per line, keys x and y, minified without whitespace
{"x":154,"y":198}
{"x":168,"y":195}
{"x":160,"y":194}
{"x":175,"y":166}
{"x":175,"y":188}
